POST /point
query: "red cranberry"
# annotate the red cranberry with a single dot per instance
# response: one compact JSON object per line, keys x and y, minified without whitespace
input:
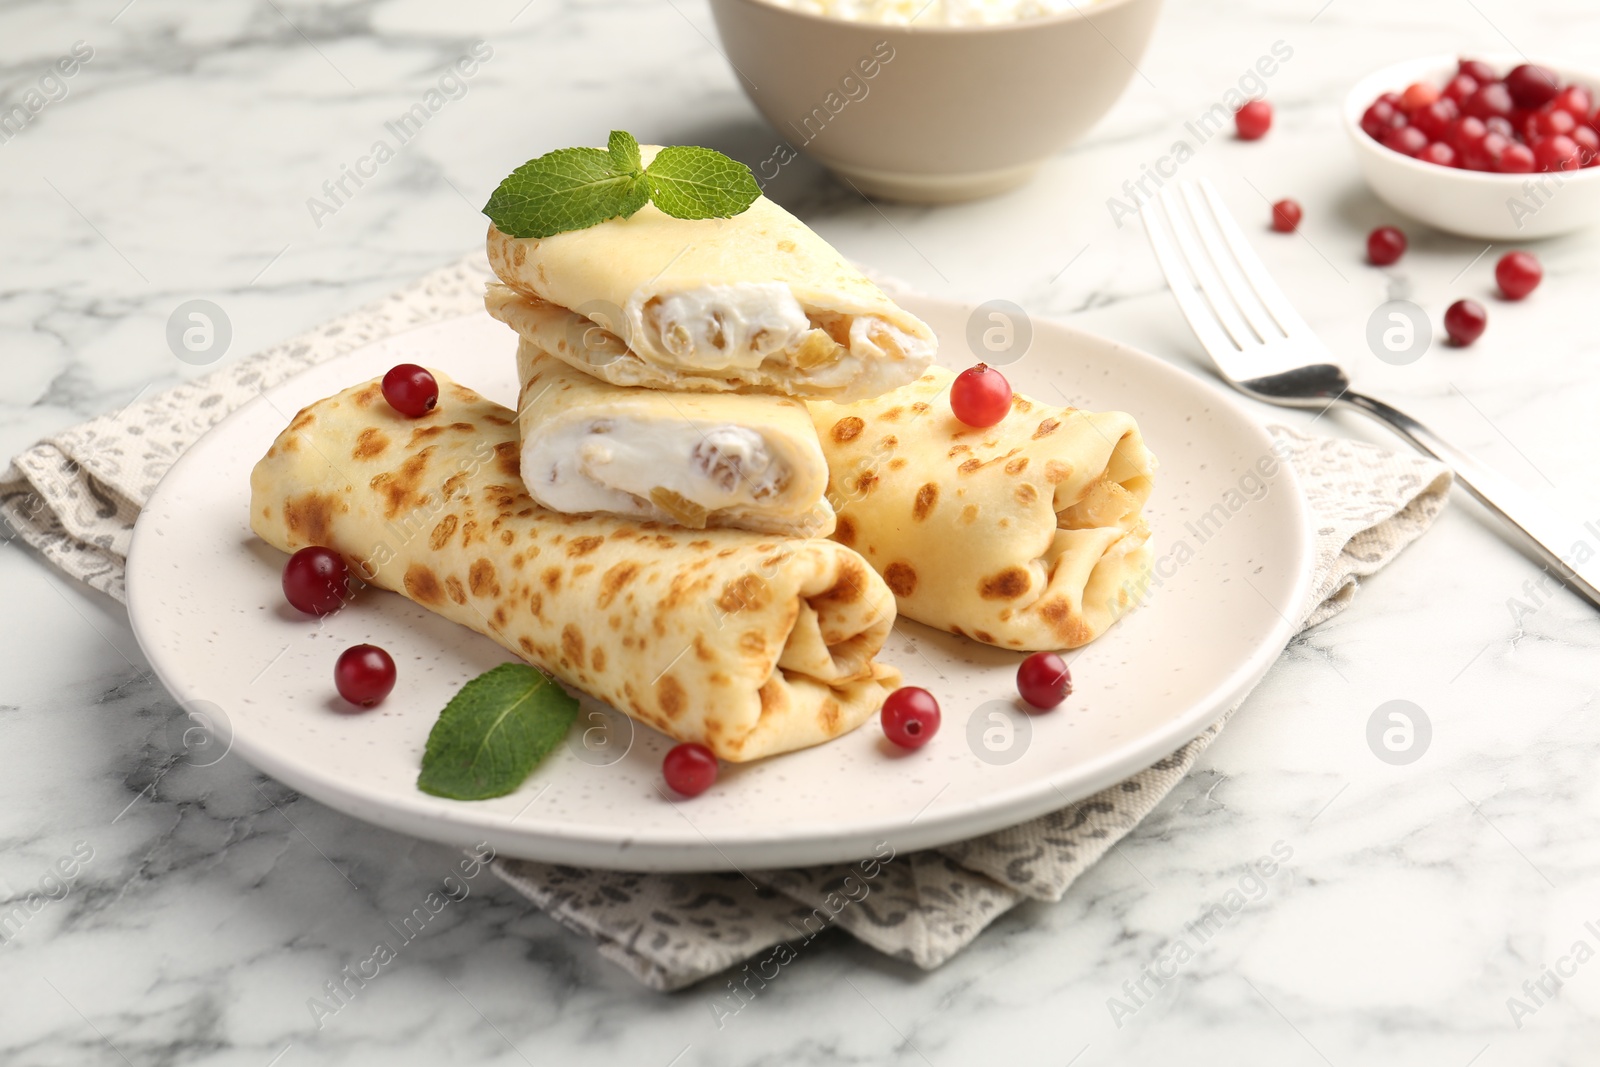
{"x":1518,"y":274}
{"x":1547,"y":122}
{"x":1466,"y":133}
{"x":1461,"y":87}
{"x":1588,"y":142}
{"x":910,"y":717}
{"x":1501,"y":125}
{"x":1486,"y":155}
{"x":1576,"y":101}
{"x":1253,"y":120}
{"x":410,"y":390}
{"x":1418,"y":95}
{"x":1532,"y":86}
{"x":1440,"y":153}
{"x":1380,"y":118}
{"x":1286,"y":216}
{"x":1490,"y":101}
{"x":1407,"y":140}
{"x":364,"y":674}
{"x":980,"y":396}
{"x":1435,"y":119}
{"x":316,"y":581}
{"x":1516,"y":159}
{"x":689,"y":769}
{"x":1477,"y":69}
{"x":1464,"y":321}
{"x":1385,"y":245}
{"x":1556,"y":153}
{"x":1044,"y":680}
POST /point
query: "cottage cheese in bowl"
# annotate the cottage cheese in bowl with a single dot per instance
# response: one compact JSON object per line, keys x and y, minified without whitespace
{"x":933,"y":12}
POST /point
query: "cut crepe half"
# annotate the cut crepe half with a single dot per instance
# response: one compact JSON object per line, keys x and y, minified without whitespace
{"x":747,"y":644}
{"x":757,"y":302}
{"x":1025,"y":535}
{"x":693,"y":459}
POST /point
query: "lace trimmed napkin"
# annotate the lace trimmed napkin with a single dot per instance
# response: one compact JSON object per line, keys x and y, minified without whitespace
{"x":75,"y":497}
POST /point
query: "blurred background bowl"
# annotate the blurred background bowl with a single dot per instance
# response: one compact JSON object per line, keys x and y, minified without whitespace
{"x":939,"y":113}
{"x":1490,"y":207}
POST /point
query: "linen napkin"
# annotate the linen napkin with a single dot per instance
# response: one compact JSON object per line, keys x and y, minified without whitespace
{"x":75,"y":496}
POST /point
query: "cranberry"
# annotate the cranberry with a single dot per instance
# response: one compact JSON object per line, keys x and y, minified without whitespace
{"x":1385,"y":245}
{"x":1478,"y":70}
{"x":1490,"y":101}
{"x":1418,"y":95}
{"x":1044,"y":680}
{"x":1575,"y":100}
{"x":1460,"y":87}
{"x":1286,"y":216}
{"x":316,"y":581}
{"x":1518,"y":274}
{"x":1407,"y":140}
{"x":410,"y":390}
{"x":1486,"y":155}
{"x":1532,"y":86}
{"x":1253,"y":120}
{"x":364,"y":674}
{"x":689,"y":769}
{"x":1435,"y":119}
{"x":1380,"y":118}
{"x":1466,"y":133}
{"x":1556,"y":153}
{"x":1516,"y":159}
{"x":1464,"y":321}
{"x":1440,"y":153}
{"x":1547,"y":122}
{"x":980,"y":396}
{"x":910,"y":717}
{"x":1501,"y":125}
{"x":1588,"y":142}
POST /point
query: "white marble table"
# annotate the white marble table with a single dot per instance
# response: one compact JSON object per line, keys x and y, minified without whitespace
{"x":1417,"y":899}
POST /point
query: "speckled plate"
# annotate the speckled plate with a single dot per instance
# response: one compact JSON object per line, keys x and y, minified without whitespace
{"x":1233,"y":563}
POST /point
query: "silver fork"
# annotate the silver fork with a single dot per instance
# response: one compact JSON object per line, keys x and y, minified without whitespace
{"x":1265,"y":350}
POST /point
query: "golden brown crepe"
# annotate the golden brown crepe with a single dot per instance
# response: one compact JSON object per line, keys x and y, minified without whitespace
{"x":1025,"y":535}
{"x":693,"y":459}
{"x":753,"y":303}
{"x":750,"y":645}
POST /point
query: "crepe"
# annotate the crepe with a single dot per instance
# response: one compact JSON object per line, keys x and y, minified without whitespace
{"x":694,"y":459}
{"x":757,"y":302}
{"x":748,"y":644}
{"x":1026,"y":535}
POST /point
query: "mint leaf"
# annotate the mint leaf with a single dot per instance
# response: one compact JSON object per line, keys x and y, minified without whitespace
{"x":494,"y":732}
{"x":697,"y":183}
{"x":568,"y":189}
{"x":624,"y":152}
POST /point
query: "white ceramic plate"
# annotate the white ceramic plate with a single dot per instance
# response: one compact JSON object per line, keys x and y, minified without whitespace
{"x":205,"y":602}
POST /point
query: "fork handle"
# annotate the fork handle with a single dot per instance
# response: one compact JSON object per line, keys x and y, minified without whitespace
{"x":1554,"y":537}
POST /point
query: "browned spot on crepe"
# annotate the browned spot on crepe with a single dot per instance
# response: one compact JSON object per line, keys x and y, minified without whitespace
{"x":746,"y":591}
{"x":828,"y":716}
{"x":846,"y":588}
{"x":370,"y":443}
{"x":1058,"y":613}
{"x":892,"y":414}
{"x":753,"y":642}
{"x":366,"y":396}
{"x":572,"y":644}
{"x":443,"y":532}
{"x":309,"y":517}
{"x":970,"y":465}
{"x":508,"y":459}
{"x":597,"y":659}
{"x":612,"y":581}
{"x":848,"y":429}
{"x":902,"y":578}
{"x":702,"y":651}
{"x":845,"y":531}
{"x":1046,"y":428}
{"x":866,"y":482}
{"x":1018,"y":465}
{"x":582,"y":546}
{"x":552,"y":579}
{"x":671,"y":697}
{"x":771,"y":694}
{"x":984,"y":635}
{"x":422,"y":585}
{"x":453,"y":589}
{"x":1026,"y":494}
{"x":1056,"y":472}
{"x":927,"y":497}
{"x":1007,"y":585}
{"x":969,"y":514}
{"x":482,"y":578}
{"x":398,"y":487}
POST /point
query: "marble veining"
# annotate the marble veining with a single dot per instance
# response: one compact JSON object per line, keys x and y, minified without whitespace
{"x":1421,"y":912}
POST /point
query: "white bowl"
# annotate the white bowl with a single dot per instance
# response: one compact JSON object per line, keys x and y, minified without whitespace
{"x":1491,"y":207}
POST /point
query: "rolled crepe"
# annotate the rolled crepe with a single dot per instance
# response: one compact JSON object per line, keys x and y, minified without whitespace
{"x":694,"y":459}
{"x":747,"y":644}
{"x":757,"y":302}
{"x":1025,"y":535}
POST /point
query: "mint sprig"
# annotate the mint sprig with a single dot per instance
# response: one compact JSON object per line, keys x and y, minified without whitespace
{"x":575,"y":188}
{"x":494,"y":732}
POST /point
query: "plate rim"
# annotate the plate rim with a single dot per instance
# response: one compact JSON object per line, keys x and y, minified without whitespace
{"x":686,"y":850}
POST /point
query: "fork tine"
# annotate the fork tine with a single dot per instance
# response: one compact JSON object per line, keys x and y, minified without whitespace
{"x":1250,"y":307}
{"x":1205,"y":274}
{"x":1255,"y":272}
{"x":1193,"y":305}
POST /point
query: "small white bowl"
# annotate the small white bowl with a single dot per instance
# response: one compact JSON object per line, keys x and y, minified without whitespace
{"x":1491,"y":207}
